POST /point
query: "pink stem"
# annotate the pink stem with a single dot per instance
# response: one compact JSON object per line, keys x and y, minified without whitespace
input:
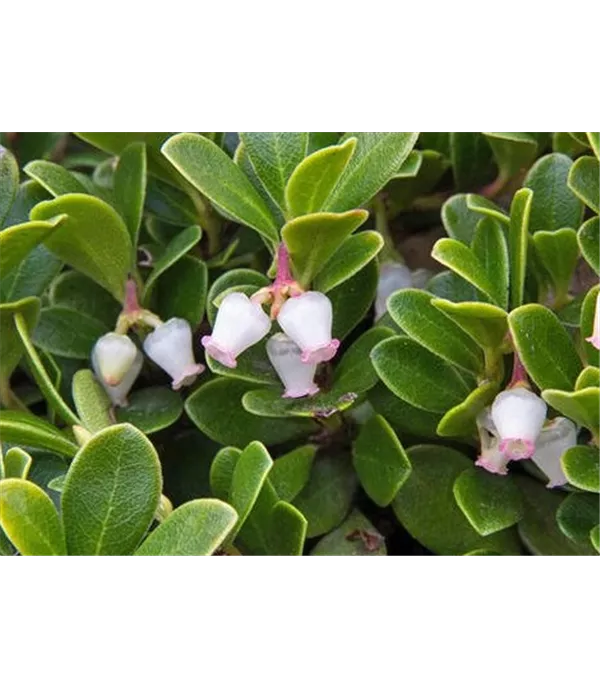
{"x":284,"y":273}
{"x":519,"y":374}
{"x":131,"y":304}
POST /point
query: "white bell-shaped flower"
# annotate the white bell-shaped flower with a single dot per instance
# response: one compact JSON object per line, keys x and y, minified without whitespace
{"x":118,"y":393}
{"x":170,"y":347}
{"x":518,"y":415}
{"x":553,"y":442}
{"x":114,"y":355}
{"x":307,"y":320}
{"x":491,"y":458}
{"x":239,"y":325}
{"x":297,"y":377}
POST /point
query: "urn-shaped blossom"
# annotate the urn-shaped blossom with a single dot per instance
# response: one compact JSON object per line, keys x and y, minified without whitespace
{"x":553,"y":442}
{"x":306,"y":319}
{"x":594,"y":340}
{"x":112,"y":357}
{"x":239,"y":325}
{"x":286,"y":358}
{"x":518,"y":415}
{"x":118,"y":393}
{"x":170,"y":347}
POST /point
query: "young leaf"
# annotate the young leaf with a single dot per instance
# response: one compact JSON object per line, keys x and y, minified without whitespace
{"x":9,"y":181}
{"x":355,"y":537}
{"x":195,"y":529}
{"x":459,"y":421}
{"x":558,"y":252}
{"x":30,"y":520}
{"x":91,"y":401}
{"x":17,"y":242}
{"x":15,"y":464}
{"x":518,"y":234}
{"x":582,"y":467}
{"x":315,"y":177}
{"x":111,"y":493}
{"x":459,"y":220}
{"x":584,"y":181}
{"x":589,"y":377}
{"x":210,"y":170}
{"x":54,"y":178}
{"x":582,"y":406}
{"x":130,"y":187}
{"x":313,"y":239}
{"x":544,"y":346}
{"x":483,"y":206}
{"x":151,"y":409}
{"x":31,"y":431}
{"x":588,"y":238}
{"x":103,"y":256}
{"x":380,"y":461}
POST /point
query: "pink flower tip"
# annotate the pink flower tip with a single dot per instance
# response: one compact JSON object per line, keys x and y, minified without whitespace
{"x":223,"y":356}
{"x":491,"y":467}
{"x":517,"y":449}
{"x":321,"y":354}
{"x":594,"y":340}
{"x":188,"y":376}
{"x":299,"y":393}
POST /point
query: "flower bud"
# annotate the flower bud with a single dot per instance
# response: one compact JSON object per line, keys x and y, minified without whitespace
{"x":170,"y":347}
{"x":118,"y":393}
{"x":553,"y":442}
{"x":114,"y":355}
{"x":297,"y":377}
{"x":518,"y":415}
{"x":306,"y":319}
{"x":239,"y":325}
{"x":594,"y":340}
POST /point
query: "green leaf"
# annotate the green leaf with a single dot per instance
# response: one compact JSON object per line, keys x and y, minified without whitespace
{"x":16,"y":464}
{"x":413,"y":311}
{"x":288,"y":531}
{"x":111,"y":492}
{"x":427,"y":508}
{"x":11,"y":347}
{"x":130,"y":187}
{"x":514,"y":152}
{"x":355,"y":537}
{"x":582,"y":406}
{"x":151,"y":409}
{"x":321,"y":139}
{"x":538,"y":528}
{"x":402,"y":416}
{"x":66,"y":332}
{"x":196,"y":528}
{"x":588,"y":312}
{"x":352,"y":300}
{"x":216,"y":409}
{"x":459,"y":421}
{"x":355,"y":372}
{"x":380,"y":461}
{"x":554,"y":205}
{"x":181,"y":291}
{"x":485,"y":323}
{"x":582,"y":467}
{"x":169,"y":204}
{"x":595,"y":538}
{"x":490,"y":249}
{"x":9,"y":181}
{"x":418,"y":376}
{"x":291,"y":472}
{"x":594,"y":141}
{"x":274,"y":156}
{"x":77,"y":292}
{"x":31,"y":277}
{"x":313,"y":239}
{"x":54,"y":178}
{"x":576,"y":517}
{"x":472,"y":159}
{"x":31,"y":431}
{"x":229,"y":281}
{"x":327,"y":498}
{"x":252,"y":366}
{"x":269,"y":403}
{"x":210,"y":170}
{"x":315,"y":177}
{"x":221,"y":471}
{"x":28,"y":195}
{"x":104,"y":256}
{"x":175,"y":250}
{"x":448,"y":285}
{"x":30,"y":520}
{"x":91,"y":401}
{"x":483,"y":206}
{"x":378,"y":156}
{"x":589,"y":377}
{"x":544,"y":346}
{"x":490,"y":502}
{"x":588,"y":237}
{"x":558,"y":252}
{"x":17,"y":242}
{"x":518,"y":234}
{"x":584,"y":181}
{"x":459,"y":220}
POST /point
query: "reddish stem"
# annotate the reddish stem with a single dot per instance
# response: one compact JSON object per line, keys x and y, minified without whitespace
{"x":131,"y":304}
{"x":284,"y":272}
{"x":519,"y":374}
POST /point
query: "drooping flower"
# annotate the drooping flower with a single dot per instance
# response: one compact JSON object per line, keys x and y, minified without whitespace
{"x":170,"y":347}
{"x":118,"y":393}
{"x":286,"y":358}
{"x":518,"y":415}
{"x":306,"y":319}
{"x":112,"y":356}
{"x":491,"y":458}
{"x":553,"y":442}
{"x":594,"y":340}
{"x":239,"y":325}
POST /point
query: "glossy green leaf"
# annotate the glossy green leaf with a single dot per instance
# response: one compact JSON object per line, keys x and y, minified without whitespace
{"x":485,"y":323}
{"x":91,"y":401}
{"x":380,"y":461}
{"x":111,"y":493}
{"x":30,"y":520}
{"x":490,"y":502}
{"x":518,"y":233}
{"x":459,"y":421}
{"x":427,"y":508}
{"x":352,"y":300}
{"x":130,"y":186}
{"x":274,"y":156}
{"x":472,"y":159}
{"x":197,"y":528}
{"x":378,"y":156}
{"x":151,"y":409}
{"x":79,"y":293}
{"x":558,"y":252}
{"x":355,"y":537}
{"x":514,"y":152}
{"x":16,"y":463}
{"x":544,"y":346}
{"x":418,"y":376}
{"x":211,"y":171}
{"x":291,"y":472}
{"x":31,"y":431}
{"x":313,"y":239}
{"x":582,"y":406}
{"x":554,"y":205}
{"x":17,"y":242}
{"x":315,"y":177}
{"x":413,"y":311}
{"x":9,"y":181}
{"x":584,"y":181}
{"x":327,"y":498}
{"x":54,"y":178}
{"x":588,"y":237}
{"x":11,"y":347}
{"x":588,"y":312}
{"x":582,"y":467}
{"x":288,"y":531}
{"x":104,"y":256}
{"x":180,"y":292}
{"x":66,"y":332}
{"x":577,"y":515}
{"x":216,"y":409}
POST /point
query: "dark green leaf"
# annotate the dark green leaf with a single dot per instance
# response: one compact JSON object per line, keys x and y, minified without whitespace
{"x":355,"y":373}
{"x":582,"y":467}
{"x":471,"y":157}
{"x":558,"y":252}
{"x":458,"y":219}
{"x":151,"y":409}
{"x":181,"y":291}
{"x":588,"y":237}
{"x":485,"y":323}
{"x":584,"y":181}
{"x":490,"y":249}
{"x":355,"y":537}
{"x":518,"y":233}
{"x":352,"y":299}
{"x":403,"y":417}
{"x":576,"y":517}
{"x":66,"y":332}
{"x":130,"y":187}
{"x":448,"y":285}
{"x":11,"y":347}
{"x":77,"y":292}
{"x":291,"y":472}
